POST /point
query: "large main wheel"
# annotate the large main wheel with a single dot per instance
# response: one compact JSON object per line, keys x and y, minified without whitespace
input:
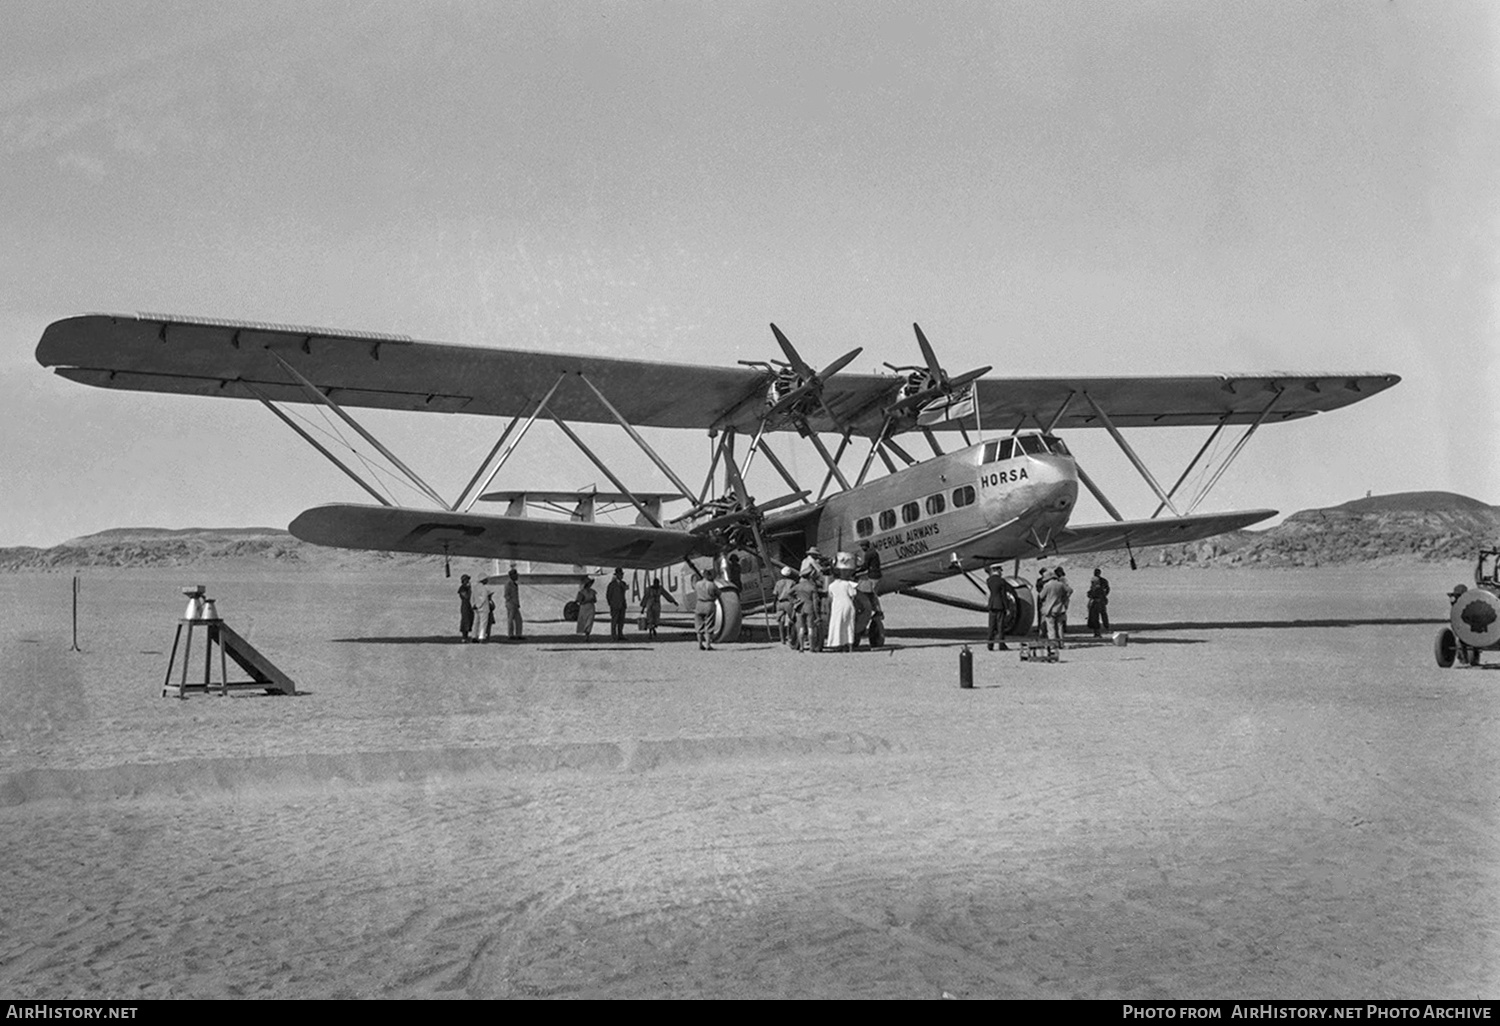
{"x":1445,"y":648}
{"x":1020,"y":614}
{"x":726,"y":626}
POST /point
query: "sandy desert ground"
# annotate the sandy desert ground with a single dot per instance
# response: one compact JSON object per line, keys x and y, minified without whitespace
{"x":1272,"y":791}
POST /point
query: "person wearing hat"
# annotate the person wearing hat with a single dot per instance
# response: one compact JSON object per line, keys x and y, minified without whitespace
{"x":616,"y":596}
{"x":784,"y":606}
{"x":1054,"y":603}
{"x":465,"y":607}
{"x":841,"y":591}
{"x":805,"y":613}
{"x":812,"y":565}
{"x":998,"y":606}
{"x":586,"y":598}
{"x":513,"y":605}
{"x":651,"y":605}
{"x":705,"y":604}
{"x":484,"y":614}
{"x":1043,"y":575}
{"x":1099,"y":602}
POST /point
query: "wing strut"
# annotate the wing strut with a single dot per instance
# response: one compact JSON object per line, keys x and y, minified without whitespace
{"x":1097,"y":492}
{"x":780,"y":467}
{"x":1203,"y":492}
{"x":315,"y":392}
{"x":1165,"y":497}
{"x":310,"y":440}
{"x":645,"y":511}
{"x":1192,"y":463}
{"x":505,"y":456}
{"x":1135,"y":460}
{"x":687,"y":493}
{"x":828,"y":477}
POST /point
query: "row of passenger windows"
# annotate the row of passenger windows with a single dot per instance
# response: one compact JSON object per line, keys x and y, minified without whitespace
{"x":911,"y":512}
{"x":1036,"y":445}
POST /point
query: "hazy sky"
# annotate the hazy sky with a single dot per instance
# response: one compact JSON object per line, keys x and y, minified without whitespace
{"x":1048,"y":187}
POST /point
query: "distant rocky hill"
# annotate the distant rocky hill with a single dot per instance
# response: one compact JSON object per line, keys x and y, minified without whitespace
{"x":1405,"y":526}
{"x":195,"y":546}
{"x":1424,"y":526}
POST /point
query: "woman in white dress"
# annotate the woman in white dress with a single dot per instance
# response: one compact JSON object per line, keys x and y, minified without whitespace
{"x":841,"y":611}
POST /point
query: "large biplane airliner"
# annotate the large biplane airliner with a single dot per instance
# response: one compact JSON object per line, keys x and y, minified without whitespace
{"x":993,"y":499}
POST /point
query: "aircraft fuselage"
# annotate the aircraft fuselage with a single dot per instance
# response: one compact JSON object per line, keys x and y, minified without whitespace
{"x":955,"y":511}
{"x":989,"y":502}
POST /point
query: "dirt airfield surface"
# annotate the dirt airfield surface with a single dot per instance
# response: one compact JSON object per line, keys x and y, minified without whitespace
{"x":1271,"y":792}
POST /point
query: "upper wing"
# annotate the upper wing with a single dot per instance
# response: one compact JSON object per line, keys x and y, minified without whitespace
{"x":1077,"y":538}
{"x":234,"y":359}
{"x":396,"y":529}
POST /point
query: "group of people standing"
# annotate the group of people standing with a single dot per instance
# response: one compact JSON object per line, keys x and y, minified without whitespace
{"x":1053,"y":594}
{"x":476,"y":617}
{"x":817,"y":607}
{"x":617,"y":601}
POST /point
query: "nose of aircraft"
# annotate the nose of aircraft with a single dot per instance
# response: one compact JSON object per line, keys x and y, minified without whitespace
{"x":1056,"y":482}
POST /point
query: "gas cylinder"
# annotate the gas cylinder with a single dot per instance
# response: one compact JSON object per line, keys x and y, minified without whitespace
{"x":965,"y":668}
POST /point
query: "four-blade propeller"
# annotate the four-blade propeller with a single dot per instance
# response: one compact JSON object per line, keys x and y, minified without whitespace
{"x":810,"y":382}
{"x":930,"y":381}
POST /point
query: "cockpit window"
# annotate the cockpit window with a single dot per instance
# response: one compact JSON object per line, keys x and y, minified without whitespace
{"x":990,"y":448}
{"x":1007,"y":448}
{"x":1032,"y":444}
{"x":1056,"y":445}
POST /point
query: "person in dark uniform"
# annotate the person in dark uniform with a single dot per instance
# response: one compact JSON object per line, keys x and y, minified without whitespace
{"x":616,"y":596}
{"x":1042,"y":577}
{"x":1098,"y":603}
{"x":997,"y":606}
{"x":732,"y":570}
{"x":513,"y":605}
{"x":465,"y":607}
{"x":867,"y":571}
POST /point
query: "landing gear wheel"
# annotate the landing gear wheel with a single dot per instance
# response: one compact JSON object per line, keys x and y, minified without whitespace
{"x":726,"y":626}
{"x":1445,"y":648}
{"x":1020,"y":607}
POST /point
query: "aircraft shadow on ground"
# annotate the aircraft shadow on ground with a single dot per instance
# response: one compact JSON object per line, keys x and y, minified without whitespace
{"x":1140,"y":633}
{"x":1229,"y":625}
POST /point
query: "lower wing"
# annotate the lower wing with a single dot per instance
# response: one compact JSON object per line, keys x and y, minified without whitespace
{"x":438,"y":532}
{"x":1117,"y":534}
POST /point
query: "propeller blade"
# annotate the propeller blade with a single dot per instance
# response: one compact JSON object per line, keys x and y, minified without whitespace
{"x":839,"y":364}
{"x":963,"y":379}
{"x":803,"y":370}
{"x":933,"y":367}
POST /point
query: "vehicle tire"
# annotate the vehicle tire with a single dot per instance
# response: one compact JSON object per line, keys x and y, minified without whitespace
{"x":1020,"y":613}
{"x":726,"y":626}
{"x":1445,"y":647}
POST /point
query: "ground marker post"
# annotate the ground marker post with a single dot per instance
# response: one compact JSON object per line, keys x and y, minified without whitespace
{"x":965,"y":667}
{"x":75,"y":647}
